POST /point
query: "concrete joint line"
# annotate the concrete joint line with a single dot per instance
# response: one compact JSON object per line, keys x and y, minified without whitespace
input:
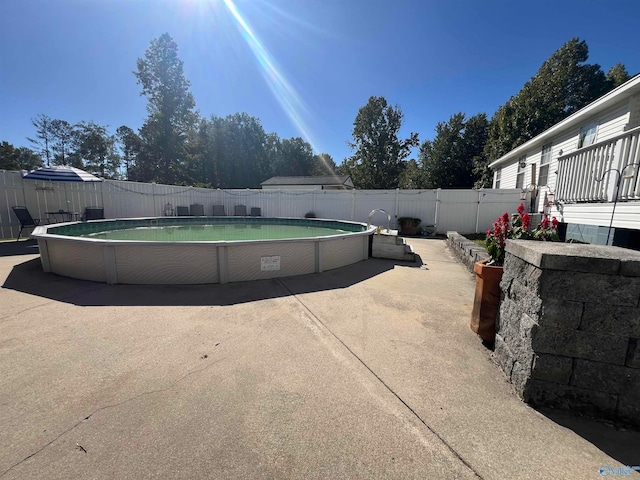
{"x":321,"y":326}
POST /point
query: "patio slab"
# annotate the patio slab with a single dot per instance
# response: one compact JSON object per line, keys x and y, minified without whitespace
{"x":368,"y":371}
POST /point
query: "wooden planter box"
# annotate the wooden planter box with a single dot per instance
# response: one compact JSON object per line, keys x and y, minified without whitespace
{"x":486,"y":301}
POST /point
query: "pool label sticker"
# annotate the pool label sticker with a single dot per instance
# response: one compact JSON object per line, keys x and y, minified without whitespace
{"x":270,"y":263}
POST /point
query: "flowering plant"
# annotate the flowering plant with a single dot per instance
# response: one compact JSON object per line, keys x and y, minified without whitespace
{"x":547,"y":230}
{"x":502,"y":230}
{"x":519,"y":227}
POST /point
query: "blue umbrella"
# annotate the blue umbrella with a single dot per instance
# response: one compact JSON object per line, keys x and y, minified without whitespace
{"x":61,"y":174}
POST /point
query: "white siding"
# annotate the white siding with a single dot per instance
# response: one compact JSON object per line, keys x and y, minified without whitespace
{"x":612,"y":122}
{"x":627,"y":214}
{"x":509,"y":175}
{"x":634,"y":112}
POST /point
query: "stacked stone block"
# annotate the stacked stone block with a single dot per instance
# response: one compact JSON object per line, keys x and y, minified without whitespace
{"x":568,"y":332}
{"x":466,"y":250}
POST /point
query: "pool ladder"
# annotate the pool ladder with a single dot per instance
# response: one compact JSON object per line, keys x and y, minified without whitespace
{"x":382,"y":211}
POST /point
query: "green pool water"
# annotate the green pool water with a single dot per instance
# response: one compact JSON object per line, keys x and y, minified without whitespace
{"x":219,"y":232}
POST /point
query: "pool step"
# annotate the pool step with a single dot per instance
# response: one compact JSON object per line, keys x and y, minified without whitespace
{"x":392,"y":247}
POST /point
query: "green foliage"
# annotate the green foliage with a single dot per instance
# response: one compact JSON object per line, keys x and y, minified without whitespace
{"x":96,"y":149}
{"x":130,"y":144}
{"x":237,"y":156}
{"x":163,"y":155}
{"x":547,"y":230}
{"x":410,"y":178}
{"x":324,"y":165}
{"x":378,"y":160}
{"x":617,"y":75}
{"x":22,"y":158}
{"x":563,"y":85}
{"x":295,"y":158}
{"x":518,"y":229}
{"x":448,"y":160}
{"x":9,"y":157}
{"x":502,"y":230}
{"x":62,"y":133}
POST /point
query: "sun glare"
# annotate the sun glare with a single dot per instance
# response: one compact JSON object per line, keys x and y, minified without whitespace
{"x":283,"y":91}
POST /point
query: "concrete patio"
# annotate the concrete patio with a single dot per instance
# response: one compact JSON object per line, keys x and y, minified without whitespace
{"x":368,"y":371}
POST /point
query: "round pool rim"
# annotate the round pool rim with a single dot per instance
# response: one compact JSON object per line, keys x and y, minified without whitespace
{"x":196,"y":262}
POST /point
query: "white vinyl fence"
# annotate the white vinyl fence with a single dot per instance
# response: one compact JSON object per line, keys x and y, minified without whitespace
{"x":466,"y":211}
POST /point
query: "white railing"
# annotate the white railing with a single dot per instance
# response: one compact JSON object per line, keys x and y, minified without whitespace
{"x":591,"y":174}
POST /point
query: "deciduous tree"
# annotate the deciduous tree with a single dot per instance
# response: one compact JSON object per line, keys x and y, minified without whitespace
{"x":97,"y":149}
{"x":379,"y":153}
{"x":447,"y":161}
{"x":563,"y":85}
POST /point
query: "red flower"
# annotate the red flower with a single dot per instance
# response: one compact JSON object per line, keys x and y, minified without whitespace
{"x":554,"y":222}
{"x":505,"y":217}
{"x":526,"y":221}
{"x":521,"y":209}
{"x":545,"y":222}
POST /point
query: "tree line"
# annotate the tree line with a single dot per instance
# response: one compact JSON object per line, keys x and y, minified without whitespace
{"x":459,"y":154}
{"x":175,"y":145}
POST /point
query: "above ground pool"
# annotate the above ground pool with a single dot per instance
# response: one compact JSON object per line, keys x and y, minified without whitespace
{"x":193,"y":250}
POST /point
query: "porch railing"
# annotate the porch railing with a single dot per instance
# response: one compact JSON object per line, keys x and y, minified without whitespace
{"x":591,"y":174}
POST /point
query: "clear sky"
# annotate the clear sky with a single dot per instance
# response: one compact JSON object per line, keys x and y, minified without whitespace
{"x":303,"y":67}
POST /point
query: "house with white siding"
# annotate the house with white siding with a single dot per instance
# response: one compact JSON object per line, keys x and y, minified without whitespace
{"x":584,"y":170}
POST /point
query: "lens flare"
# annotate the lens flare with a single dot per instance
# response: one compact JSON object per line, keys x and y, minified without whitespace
{"x":284,"y":92}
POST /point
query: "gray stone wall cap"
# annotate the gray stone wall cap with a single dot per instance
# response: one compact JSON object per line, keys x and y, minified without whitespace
{"x":575,"y":257}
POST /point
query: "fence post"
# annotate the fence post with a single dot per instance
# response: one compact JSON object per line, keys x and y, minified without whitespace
{"x":437,"y":219}
{"x":481,"y":195}
{"x":353,"y":204}
{"x":396,"y":210}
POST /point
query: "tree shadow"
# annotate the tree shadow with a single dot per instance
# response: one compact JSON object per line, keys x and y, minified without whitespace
{"x":620,"y":443}
{"x":28,"y":277}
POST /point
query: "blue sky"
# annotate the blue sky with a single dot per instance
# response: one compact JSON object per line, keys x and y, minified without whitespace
{"x":303,"y":67}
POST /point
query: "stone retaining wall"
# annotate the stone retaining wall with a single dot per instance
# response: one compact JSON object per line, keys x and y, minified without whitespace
{"x":466,"y":250}
{"x":568,"y":333}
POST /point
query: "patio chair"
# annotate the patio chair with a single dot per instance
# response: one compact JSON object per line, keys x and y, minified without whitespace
{"x":240,"y":211}
{"x":196,"y":210}
{"x":182,"y":211}
{"x":218,"y":211}
{"x":256,"y":212}
{"x":93,"y":213}
{"x":25,"y":219}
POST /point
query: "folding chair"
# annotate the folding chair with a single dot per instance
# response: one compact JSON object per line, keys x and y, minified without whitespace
{"x":218,"y":211}
{"x":25,"y":219}
{"x":93,"y":213}
{"x":196,"y":210}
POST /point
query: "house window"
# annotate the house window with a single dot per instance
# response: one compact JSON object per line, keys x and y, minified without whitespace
{"x":498,"y":175}
{"x":545,"y":160}
{"x":587,"y":135}
{"x":522,"y":164}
